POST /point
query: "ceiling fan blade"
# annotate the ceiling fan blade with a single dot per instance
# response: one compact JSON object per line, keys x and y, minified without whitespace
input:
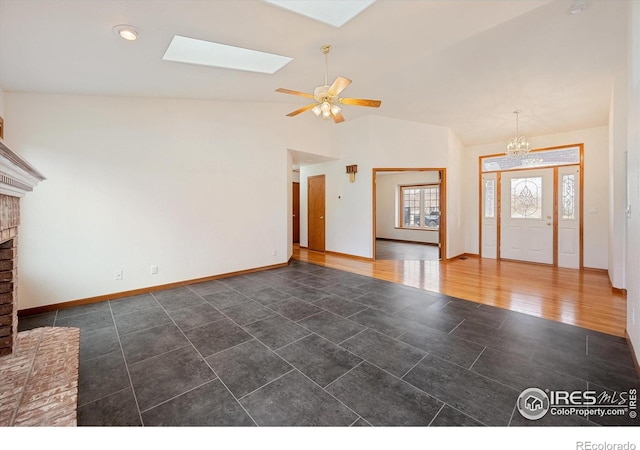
{"x":301,"y":110}
{"x":337,"y":118}
{"x":339,"y":85}
{"x":360,"y":102}
{"x":289,"y":91}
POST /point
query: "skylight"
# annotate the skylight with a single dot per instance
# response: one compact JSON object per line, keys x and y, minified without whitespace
{"x":195,"y":51}
{"x":331,"y":12}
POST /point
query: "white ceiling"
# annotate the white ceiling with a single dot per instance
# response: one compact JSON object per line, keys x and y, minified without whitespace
{"x":466,"y":65}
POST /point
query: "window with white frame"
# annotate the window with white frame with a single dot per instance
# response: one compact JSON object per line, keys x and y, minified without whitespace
{"x":420,"y":207}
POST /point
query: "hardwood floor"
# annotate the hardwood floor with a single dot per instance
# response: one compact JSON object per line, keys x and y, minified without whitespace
{"x":405,"y":250}
{"x":582,"y":298}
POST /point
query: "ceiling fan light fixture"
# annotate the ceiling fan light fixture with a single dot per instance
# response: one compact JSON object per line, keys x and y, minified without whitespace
{"x":326,"y":100}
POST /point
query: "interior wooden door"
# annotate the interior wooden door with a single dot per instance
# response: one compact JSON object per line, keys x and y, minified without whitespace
{"x":296,"y":212}
{"x":316,"y":210}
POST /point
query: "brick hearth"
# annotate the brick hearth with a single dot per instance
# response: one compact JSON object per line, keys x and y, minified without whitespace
{"x":40,"y":379}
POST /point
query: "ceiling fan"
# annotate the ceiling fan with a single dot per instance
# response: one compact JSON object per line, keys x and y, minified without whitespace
{"x":326,"y":98}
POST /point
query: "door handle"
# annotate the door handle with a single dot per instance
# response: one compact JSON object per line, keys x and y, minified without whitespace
{"x":321,"y":217}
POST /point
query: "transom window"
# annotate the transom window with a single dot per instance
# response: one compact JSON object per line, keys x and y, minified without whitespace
{"x":420,"y":207}
{"x":539,"y":158}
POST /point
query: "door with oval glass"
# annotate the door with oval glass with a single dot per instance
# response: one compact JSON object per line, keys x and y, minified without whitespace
{"x":527,"y":215}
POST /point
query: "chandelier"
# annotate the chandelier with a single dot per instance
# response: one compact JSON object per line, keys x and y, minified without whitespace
{"x":518,"y":146}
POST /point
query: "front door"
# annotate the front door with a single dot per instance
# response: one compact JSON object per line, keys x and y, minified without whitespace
{"x":316,"y":206}
{"x":526,"y":218}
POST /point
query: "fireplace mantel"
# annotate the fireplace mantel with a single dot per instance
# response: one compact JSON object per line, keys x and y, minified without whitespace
{"x":17,"y":177}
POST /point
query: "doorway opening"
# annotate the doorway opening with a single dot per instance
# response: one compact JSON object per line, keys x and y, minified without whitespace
{"x":409,"y":214}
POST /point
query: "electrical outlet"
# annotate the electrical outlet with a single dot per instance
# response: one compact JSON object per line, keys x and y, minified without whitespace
{"x":118,"y":274}
{"x":154,"y":269}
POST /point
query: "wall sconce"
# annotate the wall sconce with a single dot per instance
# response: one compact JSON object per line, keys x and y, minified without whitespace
{"x":352,"y":170}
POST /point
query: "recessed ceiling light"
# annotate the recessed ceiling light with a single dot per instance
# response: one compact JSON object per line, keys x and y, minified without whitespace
{"x":327,"y":11}
{"x":195,"y":51}
{"x":126,"y":32}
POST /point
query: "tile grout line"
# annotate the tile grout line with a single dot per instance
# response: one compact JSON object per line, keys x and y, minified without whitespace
{"x":454,"y":328}
{"x":290,"y":343}
{"x":477,"y":358}
{"x":357,"y":365}
{"x":350,"y":337}
{"x":587,"y":344}
{"x":436,"y":414}
{"x":278,"y":356}
{"x":327,"y":392}
{"x":268,"y":382}
{"x":404,"y":382}
{"x":209,"y":365}
{"x":477,"y":373}
{"x":513,"y":411}
{"x":126,"y":364}
{"x":179,"y":395}
{"x":414,"y":366}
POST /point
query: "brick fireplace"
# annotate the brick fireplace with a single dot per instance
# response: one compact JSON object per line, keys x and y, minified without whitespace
{"x":17,"y":177}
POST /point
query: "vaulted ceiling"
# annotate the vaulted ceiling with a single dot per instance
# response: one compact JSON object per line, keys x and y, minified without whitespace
{"x":466,"y":65}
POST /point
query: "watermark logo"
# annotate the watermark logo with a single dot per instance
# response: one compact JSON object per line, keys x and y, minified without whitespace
{"x":533,"y":403}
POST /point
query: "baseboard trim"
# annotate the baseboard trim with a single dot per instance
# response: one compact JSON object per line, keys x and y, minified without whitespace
{"x":633,"y":353}
{"x":595,"y":269}
{"x":101,"y":298}
{"x":346,"y":255}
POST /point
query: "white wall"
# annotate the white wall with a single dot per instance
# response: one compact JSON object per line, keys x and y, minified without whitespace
{"x":617,"y":181}
{"x":633,"y":175}
{"x":455,"y":198}
{"x":373,"y":142}
{"x":1,"y":101}
{"x":199,"y":188}
{"x":596,"y":200}
{"x":387,"y":208}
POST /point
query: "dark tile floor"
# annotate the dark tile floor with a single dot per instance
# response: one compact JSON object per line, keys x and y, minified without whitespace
{"x":307,"y":345}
